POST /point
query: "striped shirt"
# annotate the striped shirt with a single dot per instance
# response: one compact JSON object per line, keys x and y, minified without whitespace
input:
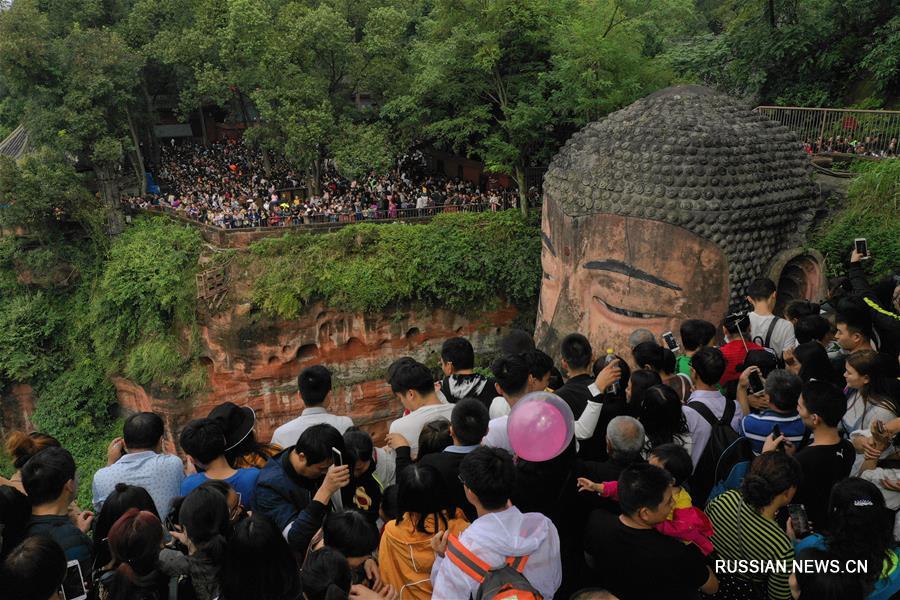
{"x":759,"y":540}
{"x":757,"y":427}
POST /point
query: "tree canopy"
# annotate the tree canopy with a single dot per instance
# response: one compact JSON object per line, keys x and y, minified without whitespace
{"x":505,"y":82}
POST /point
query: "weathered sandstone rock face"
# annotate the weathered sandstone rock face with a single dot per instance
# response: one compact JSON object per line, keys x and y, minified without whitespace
{"x":255,"y":361}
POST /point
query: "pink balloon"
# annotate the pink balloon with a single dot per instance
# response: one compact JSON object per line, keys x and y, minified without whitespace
{"x":540,"y":426}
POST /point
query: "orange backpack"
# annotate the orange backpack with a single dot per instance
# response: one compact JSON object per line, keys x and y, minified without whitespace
{"x":506,"y":582}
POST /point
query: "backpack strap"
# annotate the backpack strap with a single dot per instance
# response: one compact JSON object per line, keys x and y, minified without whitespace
{"x":466,"y":561}
{"x":517,"y":562}
{"x":770,"y":331}
{"x":708,"y":415}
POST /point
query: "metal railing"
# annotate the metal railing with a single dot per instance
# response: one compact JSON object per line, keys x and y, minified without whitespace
{"x":872,"y":133}
{"x":330,"y":221}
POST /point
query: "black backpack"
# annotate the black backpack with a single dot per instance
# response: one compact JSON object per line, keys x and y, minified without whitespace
{"x":721,"y":437}
{"x":765,"y":343}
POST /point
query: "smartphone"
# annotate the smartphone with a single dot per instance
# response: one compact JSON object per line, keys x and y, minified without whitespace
{"x":670,"y":341}
{"x":72,"y":587}
{"x":755,"y":383}
{"x":879,"y":427}
{"x":776,"y":433}
{"x":337,"y":457}
{"x":862,"y":246}
{"x":799,"y":520}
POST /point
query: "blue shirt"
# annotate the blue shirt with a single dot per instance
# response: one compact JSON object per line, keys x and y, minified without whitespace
{"x":757,"y":427}
{"x":243,"y":482}
{"x":159,"y":474}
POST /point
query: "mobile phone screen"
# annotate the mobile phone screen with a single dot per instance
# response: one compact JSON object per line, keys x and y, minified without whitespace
{"x":799,"y":520}
{"x":862,"y":246}
{"x":670,"y":341}
{"x":756,"y":382}
{"x":73,"y":585}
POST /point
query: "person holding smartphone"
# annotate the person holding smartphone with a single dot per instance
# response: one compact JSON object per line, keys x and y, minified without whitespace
{"x":780,"y":391}
{"x":881,"y":301}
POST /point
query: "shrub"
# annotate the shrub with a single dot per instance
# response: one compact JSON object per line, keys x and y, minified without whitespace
{"x":871,"y":212}
{"x":459,"y":260}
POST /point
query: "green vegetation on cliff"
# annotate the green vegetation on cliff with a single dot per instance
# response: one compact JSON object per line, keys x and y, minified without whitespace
{"x":71,"y":319}
{"x":461,"y":261}
{"x":872,"y":211}
{"x":118,"y":312}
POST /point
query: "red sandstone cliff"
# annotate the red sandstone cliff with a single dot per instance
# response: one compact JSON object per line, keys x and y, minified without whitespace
{"x":255,"y":361}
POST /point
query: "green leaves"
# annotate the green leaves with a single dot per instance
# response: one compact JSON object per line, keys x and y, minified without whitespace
{"x":873,"y":203}
{"x":145,"y":290}
{"x":462,"y":261}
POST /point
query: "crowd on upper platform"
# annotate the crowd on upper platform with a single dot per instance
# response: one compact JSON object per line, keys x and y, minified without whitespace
{"x":225,"y":185}
{"x":870,"y":145}
{"x":700,"y":466}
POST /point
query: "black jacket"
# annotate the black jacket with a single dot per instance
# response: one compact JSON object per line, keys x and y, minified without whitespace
{"x":576,"y":394}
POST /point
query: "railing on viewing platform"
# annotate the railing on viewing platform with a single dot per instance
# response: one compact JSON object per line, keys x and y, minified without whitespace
{"x":871,"y":133}
{"x":330,"y":221}
{"x":241,"y":237}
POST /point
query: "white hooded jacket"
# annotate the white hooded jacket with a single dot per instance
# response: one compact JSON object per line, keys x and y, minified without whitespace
{"x":496,"y":536}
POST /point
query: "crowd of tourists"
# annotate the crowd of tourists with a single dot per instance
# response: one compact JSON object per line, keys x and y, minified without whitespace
{"x":700,"y":466}
{"x":871,"y":145}
{"x":225,"y":185}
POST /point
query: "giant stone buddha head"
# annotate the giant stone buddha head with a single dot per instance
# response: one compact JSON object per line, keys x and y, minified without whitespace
{"x":666,"y":210}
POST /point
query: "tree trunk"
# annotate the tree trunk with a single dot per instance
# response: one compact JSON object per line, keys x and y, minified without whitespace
{"x":139,"y":163}
{"x":315,"y":177}
{"x":523,"y":193}
{"x":771,"y":11}
{"x":109,"y":195}
{"x":203,"y":126}
{"x":153,"y":146}
{"x":267,"y":163}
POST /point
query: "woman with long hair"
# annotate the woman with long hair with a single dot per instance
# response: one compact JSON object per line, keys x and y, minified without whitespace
{"x":872,"y":391}
{"x":663,"y":419}
{"x":812,"y":362}
{"x":860,"y":527}
{"x":326,"y":575}
{"x":259,"y":563}
{"x":640,"y":381}
{"x":205,"y":526}
{"x":123,"y":498}
{"x":405,"y":555}
{"x":134,"y":542}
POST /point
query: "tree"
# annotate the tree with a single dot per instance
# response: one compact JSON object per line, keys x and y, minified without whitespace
{"x":75,"y":83}
{"x":480,"y":85}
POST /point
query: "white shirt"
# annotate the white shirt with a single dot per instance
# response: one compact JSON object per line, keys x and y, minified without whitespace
{"x":782,"y":336}
{"x":411,"y":425}
{"x":496,"y":436}
{"x":699,"y":428}
{"x":492,"y":538}
{"x":499,"y":407}
{"x":288,"y":434}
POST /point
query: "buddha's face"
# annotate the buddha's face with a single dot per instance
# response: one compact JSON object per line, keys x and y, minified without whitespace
{"x":607,"y":275}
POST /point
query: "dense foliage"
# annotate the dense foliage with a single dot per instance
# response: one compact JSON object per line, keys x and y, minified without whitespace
{"x":124,"y":314}
{"x":871,"y":212}
{"x":461,"y":261}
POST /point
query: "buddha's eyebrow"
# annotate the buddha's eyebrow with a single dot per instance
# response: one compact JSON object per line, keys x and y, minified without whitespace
{"x":548,"y":243}
{"x":617,"y":266}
